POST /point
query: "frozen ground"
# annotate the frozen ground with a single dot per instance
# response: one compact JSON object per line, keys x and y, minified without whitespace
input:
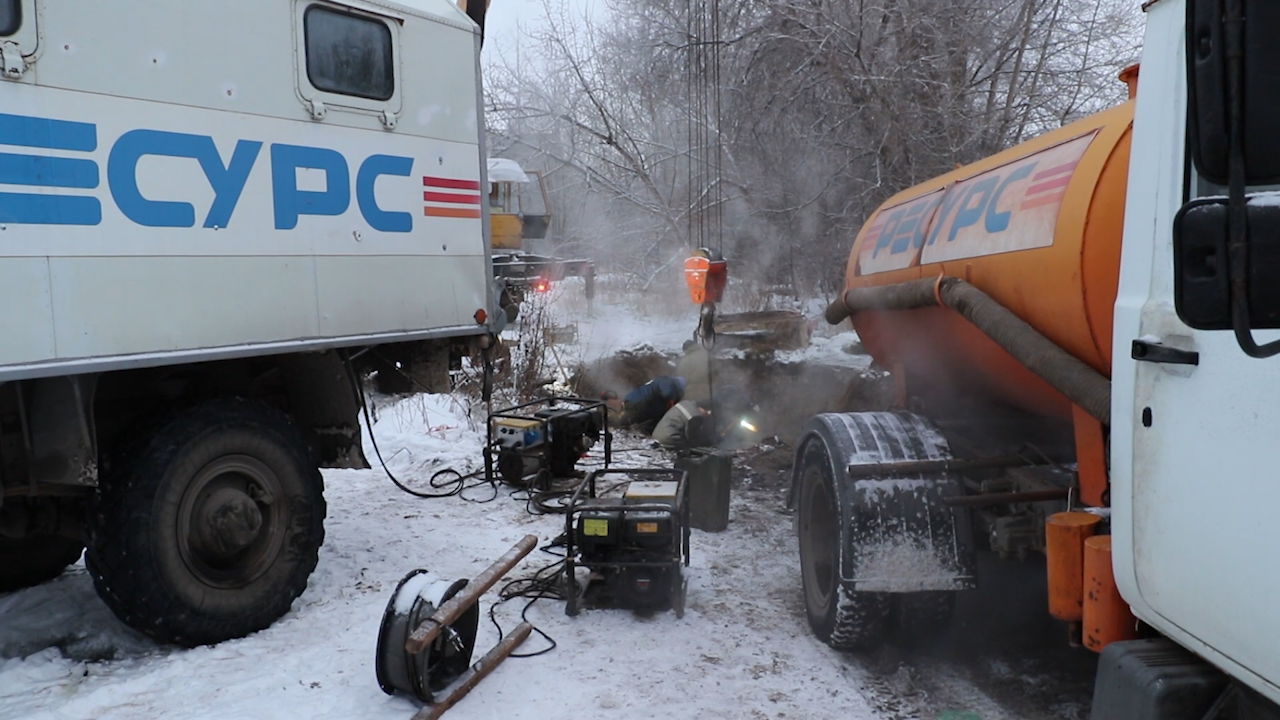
{"x":743,"y":650}
{"x":739,"y":652}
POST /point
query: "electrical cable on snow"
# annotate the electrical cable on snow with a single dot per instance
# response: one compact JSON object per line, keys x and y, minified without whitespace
{"x":456,"y":486}
{"x":546,"y":583}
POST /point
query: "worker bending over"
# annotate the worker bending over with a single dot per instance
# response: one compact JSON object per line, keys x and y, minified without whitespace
{"x":643,"y":407}
{"x":686,"y":425}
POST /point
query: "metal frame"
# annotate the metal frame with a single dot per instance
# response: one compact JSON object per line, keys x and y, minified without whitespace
{"x":109,"y":363}
{"x":679,"y":551}
{"x":521,"y":269}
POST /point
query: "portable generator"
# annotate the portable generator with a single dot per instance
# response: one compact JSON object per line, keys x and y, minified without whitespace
{"x":534,"y":443}
{"x":633,"y":547}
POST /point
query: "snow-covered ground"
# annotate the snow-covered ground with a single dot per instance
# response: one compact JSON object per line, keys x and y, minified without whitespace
{"x":741,"y":651}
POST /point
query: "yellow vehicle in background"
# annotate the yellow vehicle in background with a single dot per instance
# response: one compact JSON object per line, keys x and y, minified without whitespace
{"x":519,"y":215}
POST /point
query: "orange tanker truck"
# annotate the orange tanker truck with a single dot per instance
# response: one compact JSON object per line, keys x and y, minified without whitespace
{"x":1077,"y":329}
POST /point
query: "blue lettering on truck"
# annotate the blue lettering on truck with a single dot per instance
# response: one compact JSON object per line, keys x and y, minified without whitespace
{"x":226,"y":177}
{"x":47,"y":171}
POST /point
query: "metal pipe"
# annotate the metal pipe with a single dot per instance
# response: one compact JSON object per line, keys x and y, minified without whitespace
{"x":1006,"y":498}
{"x":476,"y":673}
{"x":1064,"y":372}
{"x":453,"y":609}
{"x":917,"y":467}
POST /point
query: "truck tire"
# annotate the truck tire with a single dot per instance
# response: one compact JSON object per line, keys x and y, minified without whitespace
{"x":838,"y":615}
{"x":32,"y":560}
{"x":210,"y":526}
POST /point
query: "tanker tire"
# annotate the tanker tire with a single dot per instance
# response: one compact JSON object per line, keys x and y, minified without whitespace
{"x":220,"y":462}
{"x":920,"y":617}
{"x":30,"y":561}
{"x":840,"y":616}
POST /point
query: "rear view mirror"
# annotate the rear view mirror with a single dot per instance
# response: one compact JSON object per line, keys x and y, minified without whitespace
{"x":1201,"y":291}
{"x":1208,"y":84}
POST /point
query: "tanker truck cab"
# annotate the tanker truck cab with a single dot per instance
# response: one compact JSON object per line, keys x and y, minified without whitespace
{"x":212,"y":223}
{"x":1195,"y":404}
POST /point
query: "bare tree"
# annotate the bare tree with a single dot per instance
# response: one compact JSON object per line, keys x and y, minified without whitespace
{"x":825,"y":107}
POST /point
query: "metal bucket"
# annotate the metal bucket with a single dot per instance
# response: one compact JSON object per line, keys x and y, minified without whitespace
{"x":709,"y":474}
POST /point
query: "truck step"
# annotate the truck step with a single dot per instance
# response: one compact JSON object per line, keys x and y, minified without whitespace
{"x":1154,"y":680}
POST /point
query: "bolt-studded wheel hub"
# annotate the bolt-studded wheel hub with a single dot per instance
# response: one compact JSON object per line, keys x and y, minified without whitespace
{"x":230,"y":526}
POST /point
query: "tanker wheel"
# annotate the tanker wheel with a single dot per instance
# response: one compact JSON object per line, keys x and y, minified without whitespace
{"x":920,"y":617}
{"x":840,"y":616}
{"x":32,"y":560}
{"x":210,"y":527}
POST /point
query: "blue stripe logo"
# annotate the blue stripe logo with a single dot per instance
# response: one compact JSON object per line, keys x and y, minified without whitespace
{"x":46,"y":171}
{"x":21,"y":168}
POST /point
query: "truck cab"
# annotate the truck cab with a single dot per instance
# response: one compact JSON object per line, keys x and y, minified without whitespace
{"x":1195,"y":405}
{"x":524,"y":258}
{"x":517,"y":205}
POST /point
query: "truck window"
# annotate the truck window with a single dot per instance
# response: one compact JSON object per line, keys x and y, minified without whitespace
{"x":348,"y":54}
{"x":10,"y":16}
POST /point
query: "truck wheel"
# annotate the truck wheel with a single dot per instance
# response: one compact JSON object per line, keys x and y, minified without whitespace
{"x":840,"y":616}
{"x":32,"y":560}
{"x":210,"y":527}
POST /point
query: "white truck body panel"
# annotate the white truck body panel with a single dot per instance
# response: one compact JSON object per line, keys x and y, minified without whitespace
{"x":1194,"y":494}
{"x":115,"y":246}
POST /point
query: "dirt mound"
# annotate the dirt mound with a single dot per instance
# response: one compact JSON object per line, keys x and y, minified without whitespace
{"x":783,"y":395}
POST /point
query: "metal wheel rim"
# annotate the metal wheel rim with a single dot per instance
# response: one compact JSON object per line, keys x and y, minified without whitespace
{"x":251,"y":476}
{"x":818,"y":549}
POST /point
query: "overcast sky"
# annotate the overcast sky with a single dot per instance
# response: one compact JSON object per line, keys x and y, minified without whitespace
{"x":506,"y":15}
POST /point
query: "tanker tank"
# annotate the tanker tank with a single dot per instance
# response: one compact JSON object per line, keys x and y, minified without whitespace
{"x":1037,"y":228}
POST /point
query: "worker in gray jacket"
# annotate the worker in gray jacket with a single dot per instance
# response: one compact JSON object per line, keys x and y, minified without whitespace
{"x":687,"y":424}
{"x":695,"y":368}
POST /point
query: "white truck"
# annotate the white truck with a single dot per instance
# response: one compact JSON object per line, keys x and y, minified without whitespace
{"x":207,"y":211}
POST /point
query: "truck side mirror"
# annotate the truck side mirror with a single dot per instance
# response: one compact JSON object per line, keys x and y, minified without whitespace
{"x":1202,"y":295}
{"x":1233,"y":104}
{"x":1208,"y":79}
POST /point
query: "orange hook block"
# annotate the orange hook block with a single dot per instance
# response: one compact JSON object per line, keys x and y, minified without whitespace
{"x":705,"y":277}
{"x":1107,"y":617}
{"x":1064,"y":536}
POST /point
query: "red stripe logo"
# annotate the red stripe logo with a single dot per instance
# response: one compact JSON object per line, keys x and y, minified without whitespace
{"x":451,"y":204}
{"x":1049,"y":186}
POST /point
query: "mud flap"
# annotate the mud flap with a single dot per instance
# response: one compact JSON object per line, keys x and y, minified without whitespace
{"x":897,"y":535}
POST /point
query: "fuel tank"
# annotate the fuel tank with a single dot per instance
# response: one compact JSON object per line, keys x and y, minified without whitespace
{"x":1037,"y":227}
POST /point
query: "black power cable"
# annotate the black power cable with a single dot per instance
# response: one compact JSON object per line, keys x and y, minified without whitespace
{"x":547,"y":583}
{"x":544,"y":583}
{"x":457,"y":485}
